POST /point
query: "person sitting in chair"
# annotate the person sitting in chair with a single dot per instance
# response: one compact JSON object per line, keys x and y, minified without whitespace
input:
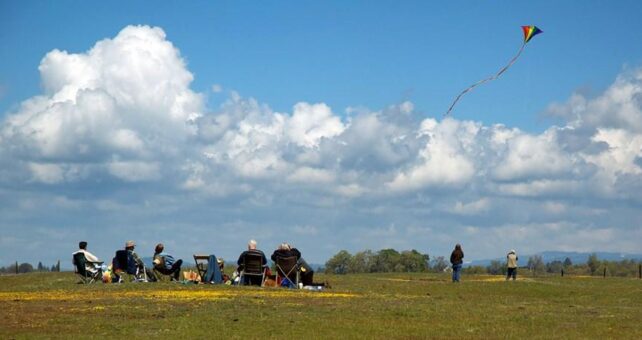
{"x":307,"y":274}
{"x":165,"y":263}
{"x":129,"y":247}
{"x":92,"y":264}
{"x":251,"y":250}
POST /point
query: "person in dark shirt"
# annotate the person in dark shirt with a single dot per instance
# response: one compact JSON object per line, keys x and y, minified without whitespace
{"x":457,"y":260}
{"x":251,"y":249}
{"x":307,"y":274}
{"x":284,"y":250}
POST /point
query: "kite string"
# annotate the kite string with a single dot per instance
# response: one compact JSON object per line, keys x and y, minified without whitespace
{"x":512,"y":61}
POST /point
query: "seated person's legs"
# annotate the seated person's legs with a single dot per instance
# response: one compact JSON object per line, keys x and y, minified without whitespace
{"x":307,"y":278}
{"x":251,"y":280}
{"x":176,"y":269}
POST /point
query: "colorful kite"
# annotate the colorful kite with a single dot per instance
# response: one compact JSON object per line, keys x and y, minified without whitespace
{"x":529,"y":33}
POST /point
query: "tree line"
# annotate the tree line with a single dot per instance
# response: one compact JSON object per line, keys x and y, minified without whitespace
{"x":391,"y":260}
{"x":593,"y":266}
{"x":24,"y":267}
{"x":385,"y":260}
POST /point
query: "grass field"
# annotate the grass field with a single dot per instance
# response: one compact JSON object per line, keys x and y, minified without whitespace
{"x":52,"y":305}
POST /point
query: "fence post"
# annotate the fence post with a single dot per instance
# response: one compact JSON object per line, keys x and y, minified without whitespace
{"x":604,"y":271}
{"x":562,"y":272}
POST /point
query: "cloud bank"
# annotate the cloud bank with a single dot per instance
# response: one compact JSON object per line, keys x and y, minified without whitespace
{"x":117,"y":146}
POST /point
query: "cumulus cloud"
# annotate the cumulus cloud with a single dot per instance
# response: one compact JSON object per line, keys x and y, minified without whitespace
{"x":121,"y":116}
{"x":126,"y":97}
{"x":444,"y":160}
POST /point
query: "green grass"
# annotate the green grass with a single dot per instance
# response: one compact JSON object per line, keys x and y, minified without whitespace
{"x":52,"y":305}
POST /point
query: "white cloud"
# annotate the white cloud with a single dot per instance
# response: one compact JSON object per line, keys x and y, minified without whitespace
{"x":310,"y":123}
{"x":444,"y":160}
{"x":533,"y":157}
{"x":472,"y":208}
{"x":127,"y":97}
{"x":47,"y":173}
{"x":305,"y":175}
{"x":135,"y":171}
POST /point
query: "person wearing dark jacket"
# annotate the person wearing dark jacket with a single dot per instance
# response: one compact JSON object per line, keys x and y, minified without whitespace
{"x":285,"y":250}
{"x":251,"y":249}
{"x":307,"y":274}
{"x":457,"y":260}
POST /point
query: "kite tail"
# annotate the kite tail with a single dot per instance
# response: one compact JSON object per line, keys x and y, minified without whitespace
{"x":512,"y":61}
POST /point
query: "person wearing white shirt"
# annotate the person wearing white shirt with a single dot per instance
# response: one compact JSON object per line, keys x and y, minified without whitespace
{"x":89,"y":266}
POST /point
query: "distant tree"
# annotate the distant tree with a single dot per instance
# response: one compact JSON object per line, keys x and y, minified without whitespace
{"x":53,"y":268}
{"x":593,"y":263}
{"x":362,"y":262}
{"x":339,"y":263}
{"x":554,"y":266}
{"x":568,"y":262}
{"x":387,"y":260}
{"x":413,"y":261}
{"x":40,"y":267}
{"x":536,"y":264}
{"x":12,"y":269}
{"x":438,"y":264}
{"x":25,"y":268}
{"x":495,"y":267}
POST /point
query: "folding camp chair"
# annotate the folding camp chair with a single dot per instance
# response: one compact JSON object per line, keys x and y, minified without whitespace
{"x":159,"y":272}
{"x":209,"y":268}
{"x":86,"y":276}
{"x":124,"y":264}
{"x":287,"y":267}
{"x":252,"y":268}
{"x":202,"y":262}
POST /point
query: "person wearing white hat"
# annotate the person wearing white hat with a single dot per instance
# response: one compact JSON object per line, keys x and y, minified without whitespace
{"x":129,"y":246}
{"x":511,"y":264}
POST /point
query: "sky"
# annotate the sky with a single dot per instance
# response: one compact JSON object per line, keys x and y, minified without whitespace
{"x":206,"y":124}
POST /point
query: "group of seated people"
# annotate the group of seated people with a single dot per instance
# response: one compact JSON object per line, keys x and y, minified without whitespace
{"x":283,"y":251}
{"x":127,"y":261}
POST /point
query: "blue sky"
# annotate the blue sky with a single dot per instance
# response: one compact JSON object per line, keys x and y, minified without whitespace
{"x":325,"y":125}
{"x":359,"y":53}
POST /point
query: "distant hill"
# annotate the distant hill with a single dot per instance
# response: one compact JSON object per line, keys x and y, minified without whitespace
{"x":550,"y":256}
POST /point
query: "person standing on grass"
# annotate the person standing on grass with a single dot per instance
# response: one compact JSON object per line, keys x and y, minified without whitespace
{"x":511,"y":263}
{"x":457,"y":260}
